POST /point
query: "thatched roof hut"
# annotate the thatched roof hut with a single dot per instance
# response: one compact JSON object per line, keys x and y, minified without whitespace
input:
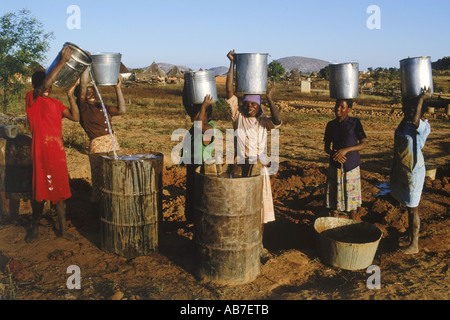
{"x":175,"y":73}
{"x":155,"y":71}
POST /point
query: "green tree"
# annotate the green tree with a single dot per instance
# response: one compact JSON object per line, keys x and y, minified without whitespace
{"x":276,"y":70}
{"x":23,"y":42}
{"x":325,"y":73}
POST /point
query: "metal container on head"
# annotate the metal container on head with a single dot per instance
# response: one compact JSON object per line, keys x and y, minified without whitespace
{"x":199,"y":84}
{"x":105,"y":68}
{"x":344,"y":80}
{"x":73,"y":68}
{"x":415,"y":73}
{"x":251,"y":73}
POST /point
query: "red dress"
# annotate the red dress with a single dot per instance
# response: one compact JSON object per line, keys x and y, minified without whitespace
{"x":50,"y":174}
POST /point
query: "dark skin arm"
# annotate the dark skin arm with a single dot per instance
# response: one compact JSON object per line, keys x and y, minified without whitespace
{"x":229,"y":88}
{"x":339,"y":155}
{"x":65,"y":55}
{"x":202,"y":116}
{"x":121,"y":106}
{"x":426,"y":93}
{"x":73,"y":113}
{"x":274,"y":111}
{"x":84,"y":80}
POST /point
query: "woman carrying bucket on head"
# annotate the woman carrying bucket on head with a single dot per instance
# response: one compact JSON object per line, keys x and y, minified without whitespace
{"x":202,"y":113}
{"x":344,"y":138}
{"x":249,"y":122}
{"x":97,"y":127}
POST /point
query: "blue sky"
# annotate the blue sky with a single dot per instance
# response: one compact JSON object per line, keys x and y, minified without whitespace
{"x":198,"y":34}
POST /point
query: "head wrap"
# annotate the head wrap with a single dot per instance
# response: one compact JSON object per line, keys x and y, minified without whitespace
{"x":253,"y":97}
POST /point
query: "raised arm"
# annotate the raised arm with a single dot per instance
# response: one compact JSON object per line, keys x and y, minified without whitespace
{"x":230,"y":75}
{"x":121,"y":106}
{"x":426,"y":93}
{"x":84,"y":80}
{"x":65,"y":55}
{"x":73,"y":113}
{"x":274,"y":111}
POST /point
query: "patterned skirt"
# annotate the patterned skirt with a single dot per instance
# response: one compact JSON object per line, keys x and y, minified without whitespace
{"x":96,"y":147}
{"x":343,"y":189}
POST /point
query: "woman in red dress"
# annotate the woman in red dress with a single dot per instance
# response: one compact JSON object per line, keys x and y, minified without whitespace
{"x":50,"y":174}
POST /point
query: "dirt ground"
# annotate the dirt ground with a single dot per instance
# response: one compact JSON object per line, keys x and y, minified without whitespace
{"x":38,"y":271}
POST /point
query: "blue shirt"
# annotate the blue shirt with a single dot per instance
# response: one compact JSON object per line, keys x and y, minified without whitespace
{"x":408,"y":170}
{"x":342,"y":135}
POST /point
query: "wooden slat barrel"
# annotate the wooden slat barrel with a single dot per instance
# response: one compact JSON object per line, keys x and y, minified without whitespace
{"x":131,"y":203}
{"x":16,"y":173}
{"x":227,"y":228}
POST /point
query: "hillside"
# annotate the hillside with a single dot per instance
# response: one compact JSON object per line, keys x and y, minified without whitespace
{"x":305,"y":65}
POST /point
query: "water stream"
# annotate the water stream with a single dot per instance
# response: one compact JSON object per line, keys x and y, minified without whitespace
{"x":106,"y":115}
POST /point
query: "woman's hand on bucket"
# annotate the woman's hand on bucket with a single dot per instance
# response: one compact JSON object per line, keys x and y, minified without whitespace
{"x":231,"y":54}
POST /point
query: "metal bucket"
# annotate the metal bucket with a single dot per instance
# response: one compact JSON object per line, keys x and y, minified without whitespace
{"x":415,"y":73}
{"x":131,"y":203}
{"x":227,"y":228}
{"x":73,"y":68}
{"x":345,"y":243}
{"x":344,"y":80}
{"x":199,"y":84}
{"x":105,"y":68}
{"x":251,"y":73}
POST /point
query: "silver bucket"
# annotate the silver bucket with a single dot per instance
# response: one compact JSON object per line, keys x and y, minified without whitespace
{"x":251,"y":73}
{"x":73,"y":68}
{"x":105,"y":68}
{"x":199,"y":84}
{"x":415,"y":73}
{"x":344,"y":80}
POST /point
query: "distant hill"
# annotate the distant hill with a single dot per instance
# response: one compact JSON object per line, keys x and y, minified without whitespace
{"x":441,"y":64}
{"x":219,"y":71}
{"x":166,"y":67}
{"x":304,"y":65}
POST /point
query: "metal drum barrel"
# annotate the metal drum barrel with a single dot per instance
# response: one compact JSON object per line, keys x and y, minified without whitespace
{"x":199,"y":84}
{"x":415,"y":73}
{"x":344,"y":80}
{"x":251,"y":73}
{"x":73,"y":68}
{"x":227,"y":228}
{"x":131,"y":203}
{"x":105,"y":68}
{"x":16,"y":172}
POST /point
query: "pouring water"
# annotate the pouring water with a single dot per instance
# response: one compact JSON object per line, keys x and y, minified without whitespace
{"x":106,"y":115}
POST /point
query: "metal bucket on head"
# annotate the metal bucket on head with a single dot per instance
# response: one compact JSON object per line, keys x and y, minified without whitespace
{"x":73,"y":68}
{"x":415,"y":73}
{"x":251,"y":73}
{"x":199,"y":84}
{"x":346,"y":243}
{"x":344,"y":80}
{"x":131,"y":203}
{"x":227,"y":228}
{"x":105,"y":68}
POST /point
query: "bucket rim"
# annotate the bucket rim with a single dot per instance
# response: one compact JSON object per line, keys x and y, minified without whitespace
{"x":350,"y":223}
{"x":253,"y":54}
{"x":109,"y":156}
{"x":417,"y":58}
{"x":70,"y":44}
{"x":344,"y":63}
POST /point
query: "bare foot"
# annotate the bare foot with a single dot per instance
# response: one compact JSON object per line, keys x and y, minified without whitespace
{"x":68,"y":236}
{"x":410,"y":250}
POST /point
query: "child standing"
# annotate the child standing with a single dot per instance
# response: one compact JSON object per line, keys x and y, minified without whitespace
{"x":50,"y":174}
{"x":250,"y":123}
{"x":408,"y":170}
{"x":344,"y":138}
{"x":200,"y":114}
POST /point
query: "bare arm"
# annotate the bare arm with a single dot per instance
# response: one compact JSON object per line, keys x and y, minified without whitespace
{"x":65,"y":55}
{"x":339,"y":155}
{"x":84,"y":79}
{"x":426,"y":93}
{"x":230,"y":76}
{"x":73,"y":113}
{"x":121,"y":106}
{"x":274,"y":111}
{"x":208,"y":101}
